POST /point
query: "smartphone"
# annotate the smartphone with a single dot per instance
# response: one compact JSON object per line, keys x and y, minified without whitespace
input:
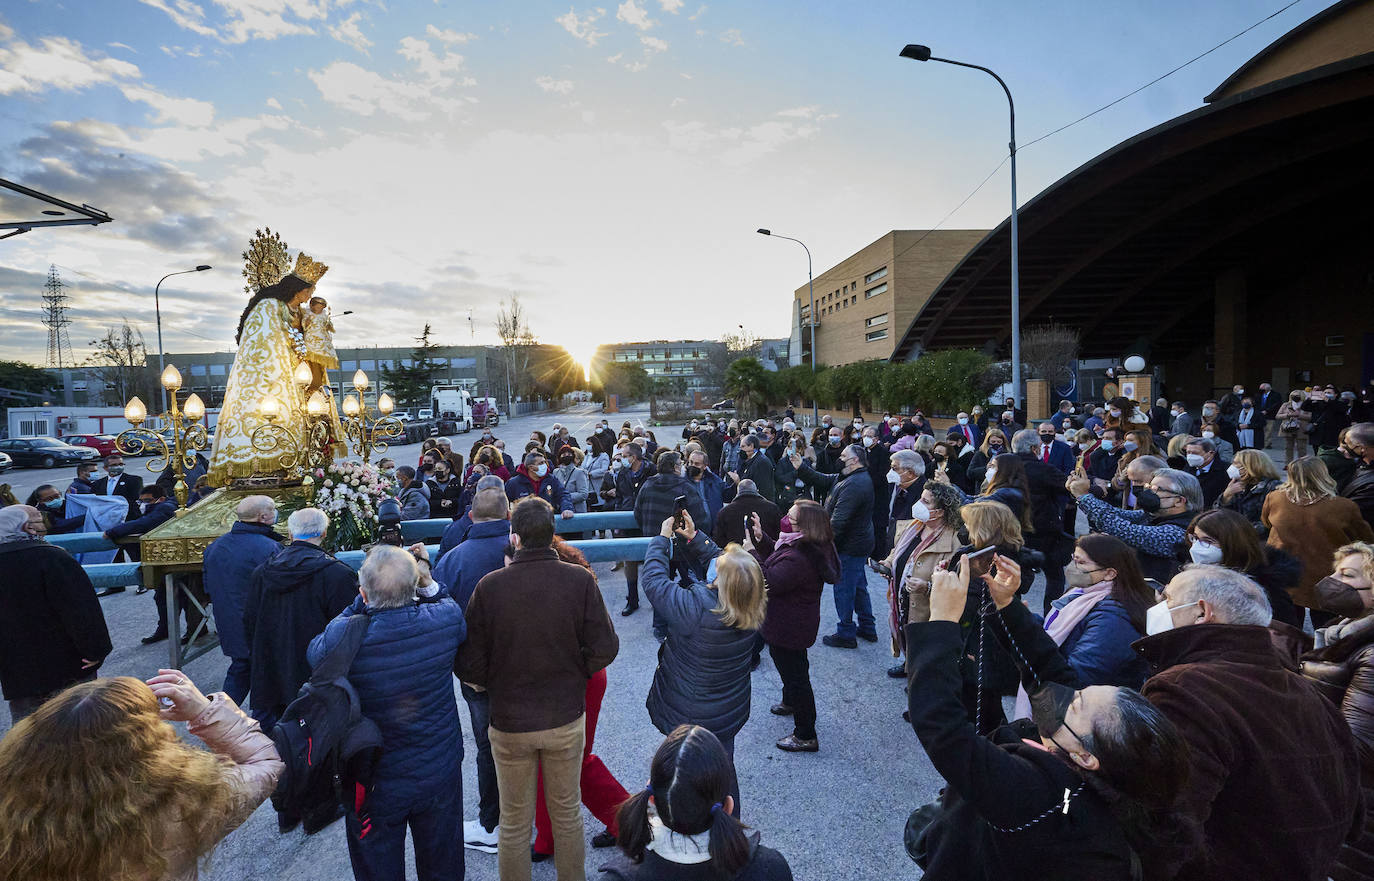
{"x":980,"y":563}
{"x":679,"y":508}
{"x":881,"y":568}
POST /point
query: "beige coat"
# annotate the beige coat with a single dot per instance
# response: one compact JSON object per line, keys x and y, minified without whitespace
{"x":252,"y":777}
{"x":922,"y":567}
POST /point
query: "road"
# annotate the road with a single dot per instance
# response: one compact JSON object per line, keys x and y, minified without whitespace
{"x":838,"y":813}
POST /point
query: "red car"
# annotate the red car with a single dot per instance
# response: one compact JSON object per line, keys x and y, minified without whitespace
{"x":104,"y":444}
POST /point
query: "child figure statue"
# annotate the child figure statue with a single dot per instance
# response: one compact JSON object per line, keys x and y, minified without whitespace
{"x":318,"y":329}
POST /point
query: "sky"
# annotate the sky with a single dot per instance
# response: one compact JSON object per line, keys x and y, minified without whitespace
{"x":606,"y":162}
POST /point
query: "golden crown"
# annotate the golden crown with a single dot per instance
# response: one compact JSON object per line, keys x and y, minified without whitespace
{"x":307,"y":269}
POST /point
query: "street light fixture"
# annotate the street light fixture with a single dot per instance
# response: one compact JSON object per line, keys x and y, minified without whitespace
{"x":157,"y":308}
{"x":922,"y":53}
{"x":810,"y":285}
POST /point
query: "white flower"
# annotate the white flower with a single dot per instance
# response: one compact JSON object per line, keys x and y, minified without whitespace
{"x":328,"y":483}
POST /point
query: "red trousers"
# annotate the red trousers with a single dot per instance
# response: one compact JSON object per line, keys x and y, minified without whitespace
{"x":601,"y":792}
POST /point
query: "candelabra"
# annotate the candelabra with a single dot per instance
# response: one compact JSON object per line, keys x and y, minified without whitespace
{"x":296,"y":451}
{"x":187,"y":435}
{"x":367,"y":431}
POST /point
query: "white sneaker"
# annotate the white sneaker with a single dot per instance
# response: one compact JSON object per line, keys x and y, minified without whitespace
{"x":475,"y":837}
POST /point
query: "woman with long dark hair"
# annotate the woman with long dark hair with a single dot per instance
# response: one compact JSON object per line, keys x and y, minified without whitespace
{"x":268,"y":352}
{"x":796,"y":568}
{"x":680,"y":826}
{"x":1227,"y":538}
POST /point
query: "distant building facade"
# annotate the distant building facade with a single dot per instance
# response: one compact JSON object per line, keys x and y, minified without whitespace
{"x":692,"y":361}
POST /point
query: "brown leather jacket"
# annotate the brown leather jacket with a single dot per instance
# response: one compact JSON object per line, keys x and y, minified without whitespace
{"x":252,"y":777}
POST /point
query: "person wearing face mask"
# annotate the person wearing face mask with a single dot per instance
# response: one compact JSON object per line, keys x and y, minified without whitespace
{"x":50,"y":503}
{"x":1253,"y":477}
{"x":1180,"y":420}
{"x":945,"y":457}
{"x":708,"y":485}
{"x":1342,"y":667}
{"x":1358,"y":446}
{"x":796,"y":567}
{"x":928,"y":537}
{"x":972,"y":434}
{"x":1054,"y":452}
{"x":229,"y":562}
{"x":755,"y":466}
{"x":1105,"y":461}
{"x":1062,"y":417}
{"x":656,"y":501}
{"x":116,"y":482}
{"x":729,"y":457}
{"x":413,"y":494}
{"x":879,"y":472}
{"x":1085,"y":791}
{"x":1156,"y":530}
{"x":156,"y":509}
{"x":576,"y":484}
{"x":534,"y":478}
{"x":1331,"y":413}
{"x":445,"y":490}
{"x":994,"y":443}
{"x":1096,"y":421}
{"x":1206,"y":466}
{"x":1249,"y":425}
{"x":1011,"y":414}
{"x":1264,"y":745}
{"x":1294,"y":423}
{"x":1225,"y":538}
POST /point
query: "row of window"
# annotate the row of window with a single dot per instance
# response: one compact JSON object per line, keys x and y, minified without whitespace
{"x":657,"y":355}
{"x":842,"y":293}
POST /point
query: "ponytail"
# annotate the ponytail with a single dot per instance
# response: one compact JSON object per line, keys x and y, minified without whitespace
{"x":729,"y":845}
{"x":632,"y":823}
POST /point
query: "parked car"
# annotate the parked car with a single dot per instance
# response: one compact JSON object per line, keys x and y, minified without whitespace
{"x":425,"y":413}
{"x":104,"y":444}
{"x":727,"y":404}
{"x":5,"y":462}
{"x":404,"y":416}
{"x":45,"y":452}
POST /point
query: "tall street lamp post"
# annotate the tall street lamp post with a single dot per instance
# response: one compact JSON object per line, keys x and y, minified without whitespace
{"x":922,"y":53}
{"x":811,"y":318}
{"x":157,"y":308}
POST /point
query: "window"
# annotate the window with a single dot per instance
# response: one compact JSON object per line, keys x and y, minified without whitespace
{"x":875,"y":291}
{"x":874,"y":335}
{"x":369,"y":366}
{"x":349,"y":366}
{"x":875,"y":275}
{"x":197,"y":369}
{"x":846,"y":304}
{"x":876,"y":320}
{"x":216,"y":369}
{"x":1338,"y":340}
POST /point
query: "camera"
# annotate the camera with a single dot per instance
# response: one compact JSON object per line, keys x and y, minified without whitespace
{"x":389,"y":518}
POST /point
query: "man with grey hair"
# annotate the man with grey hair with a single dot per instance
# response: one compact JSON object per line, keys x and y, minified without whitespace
{"x":52,"y":629}
{"x":535,"y":478}
{"x":403,"y":673}
{"x":1047,"y":501}
{"x":229,"y":563}
{"x":733,"y":519}
{"x":291,"y":597}
{"x":849,"y":502}
{"x":1265,"y":745}
{"x":1207,"y":467}
{"x":907,"y":475}
{"x":1167,"y":505}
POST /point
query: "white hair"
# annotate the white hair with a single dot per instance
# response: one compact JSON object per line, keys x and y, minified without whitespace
{"x":388,"y":575}
{"x":307,"y":523}
{"x":909,"y":460}
{"x":1233,"y":596}
{"x":13,"y":519}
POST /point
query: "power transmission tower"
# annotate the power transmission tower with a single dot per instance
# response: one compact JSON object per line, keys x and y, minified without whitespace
{"x":55,"y":317}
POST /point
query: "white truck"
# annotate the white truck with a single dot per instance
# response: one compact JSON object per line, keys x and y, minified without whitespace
{"x":452,"y":405}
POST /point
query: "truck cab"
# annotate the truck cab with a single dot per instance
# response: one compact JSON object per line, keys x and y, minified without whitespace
{"x":452,"y":406}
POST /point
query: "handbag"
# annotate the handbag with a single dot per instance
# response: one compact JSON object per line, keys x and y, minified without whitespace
{"x":921,"y":827}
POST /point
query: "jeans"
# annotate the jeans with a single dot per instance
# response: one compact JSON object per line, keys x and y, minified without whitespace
{"x":488,"y":796}
{"x":520,"y":756}
{"x":795,"y":670}
{"x":377,"y":846}
{"x":237,"y":679}
{"x":851,"y":595}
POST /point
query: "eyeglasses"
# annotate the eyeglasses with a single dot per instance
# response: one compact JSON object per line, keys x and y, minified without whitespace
{"x":1205,"y":542}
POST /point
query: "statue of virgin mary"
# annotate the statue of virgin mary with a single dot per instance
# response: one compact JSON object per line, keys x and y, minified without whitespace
{"x":264,"y":366}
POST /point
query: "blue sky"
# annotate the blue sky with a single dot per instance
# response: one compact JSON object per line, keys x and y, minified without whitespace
{"x":607,"y":162}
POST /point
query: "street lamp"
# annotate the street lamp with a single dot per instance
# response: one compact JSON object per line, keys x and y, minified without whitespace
{"x":366,"y":428}
{"x":922,"y":53}
{"x":810,"y":285}
{"x":157,"y":308}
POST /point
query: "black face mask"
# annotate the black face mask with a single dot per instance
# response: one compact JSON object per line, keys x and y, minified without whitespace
{"x":937,"y":457}
{"x":693,"y":472}
{"x":1049,"y":704}
{"x":1147,"y":500}
{"x":1337,"y":597}
{"x":962,"y":535}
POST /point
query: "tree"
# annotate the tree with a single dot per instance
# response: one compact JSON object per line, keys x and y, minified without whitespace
{"x":18,"y":376}
{"x":748,"y":383}
{"x":121,"y":358}
{"x":517,"y":340}
{"x":626,"y":380}
{"x":1049,"y":352}
{"x":742,"y":344}
{"x":410,"y":385}
{"x":266,"y":261}
{"x":952,"y":379}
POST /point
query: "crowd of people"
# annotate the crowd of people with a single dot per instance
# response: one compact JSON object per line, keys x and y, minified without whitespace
{"x":1202,"y":663}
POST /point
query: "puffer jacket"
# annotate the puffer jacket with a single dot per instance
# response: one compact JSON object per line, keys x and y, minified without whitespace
{"x":229,"y":562}
{"x":414,"y":501}
{"x":703,"y":666}
{"x":849,"y":502}
{"x":577,"y":484}
{"x":1099,"y":648}
{"x":796,"y":575}
{"x":404,"y":676}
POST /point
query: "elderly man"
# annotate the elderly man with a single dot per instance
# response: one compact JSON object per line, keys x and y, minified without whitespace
{"x":880,"y":473}
{"x":456,"y":533}
{"x":292,"y":596}
{"x":734,"y":518}
{"x":709,"y":485}
{"x":1267,"y":749}
{"x":849,"y":503}
{"x":1207,"y":467}
{"x":907,"y":475}
{"x":1062,"y":417}
{"x":403,"y":673}
{"x":1167,"y":505}
{"x":535,"y":478}
{"x":229,"y":563}
{"x":1359,"y":445}
{"x":756,"y":466}
{"x":52,"y":629}
{"x":412,"y":493}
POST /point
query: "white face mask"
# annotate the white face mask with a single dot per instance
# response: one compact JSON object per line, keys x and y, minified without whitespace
{"x":1084,"y":446}
{"x":893,"y":476}
{"x":1233,"y":472}
{"x":858,"y":423}
{"x":868,"y":441}
{"x":1209,"y":434}
{"x":1205,"y":553}
{"x":920,"y":511}
{"x":1115,"y":411}
{"x":1160,"y":617}
{"x":1194,"y":460}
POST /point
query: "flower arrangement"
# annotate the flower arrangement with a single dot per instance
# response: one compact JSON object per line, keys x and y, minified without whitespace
{"x":349,"y":492}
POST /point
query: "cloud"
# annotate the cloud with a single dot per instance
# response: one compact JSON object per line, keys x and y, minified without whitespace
{"x":448,"y":36}
{"x":348,"y":32}
{"x":120,"y":46}
{"x":741,"y":145}
{"x":732,"y":37}
{"x":673,"y":6}
{"x":367,"y":93}
{"x":654,"y":44}
{"x":184,"y":111}
{"x":245,"y":20}
{"x":583,"y":27}
{"x":274,"y":103}
{"x":174,"y":51}
{"x":634,"y":15}
{"x":701,"y":10}
{"x":557,"y":87}
{"x":185,"y":14}
{"x":58,"y":63}
{"x":436,"y":68}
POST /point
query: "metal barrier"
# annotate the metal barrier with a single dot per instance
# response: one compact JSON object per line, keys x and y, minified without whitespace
{"x":422,"y":530}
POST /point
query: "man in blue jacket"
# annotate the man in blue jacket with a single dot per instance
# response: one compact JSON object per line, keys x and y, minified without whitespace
{"x":534,"y":478}
{"x":157,"y":508}
{"x":229,"y":562}
{"x":1054,"y":452}
{"x":403,"y":673}
{"x":481,"y":552}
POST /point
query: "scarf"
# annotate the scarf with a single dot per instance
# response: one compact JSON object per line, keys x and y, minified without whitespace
{"x":1069,"y":612}
{"x":676,"y":847}
{"x":788,"y":538}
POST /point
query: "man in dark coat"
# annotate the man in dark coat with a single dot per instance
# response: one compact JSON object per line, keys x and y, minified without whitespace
{"x":229,"y":563}
{"x":117,"y":482}
{"x":1359,"y":445}
{"x":879,"y":463}
{"x":1048,"y":497}
{"x":756,"y":466}
{"x":631,"y":470}
{"x":849,"y":503}
{"x":1266,"y":746}
{"x":734,"y":517}
{"x":157,"y":508}
{"x":52,"y":629}
{"x":1053,"y":452}
{"x":533,"y":478}
{"x":1205,"y":465}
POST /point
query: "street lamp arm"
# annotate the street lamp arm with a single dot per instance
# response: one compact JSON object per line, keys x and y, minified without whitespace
{"x":1001,"y":82}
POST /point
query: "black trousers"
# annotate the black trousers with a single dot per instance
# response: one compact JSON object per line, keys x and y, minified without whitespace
{"x":795,"y":671}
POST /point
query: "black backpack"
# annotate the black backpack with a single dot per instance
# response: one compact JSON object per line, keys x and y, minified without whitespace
{"x":324,"y":738}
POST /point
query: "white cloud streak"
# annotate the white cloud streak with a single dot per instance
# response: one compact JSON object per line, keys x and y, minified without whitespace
{"x":583,"y":27}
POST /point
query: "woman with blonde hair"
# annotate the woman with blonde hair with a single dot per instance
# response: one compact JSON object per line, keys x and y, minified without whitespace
{"x":1253,"y":477}
{"x":96,"y":785}
{"x":987,"y":668}
{"x":704,"y":664}
{"x":1174,"y":452}
{"x":1307,"y":519}
{"x":994,"y":443}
